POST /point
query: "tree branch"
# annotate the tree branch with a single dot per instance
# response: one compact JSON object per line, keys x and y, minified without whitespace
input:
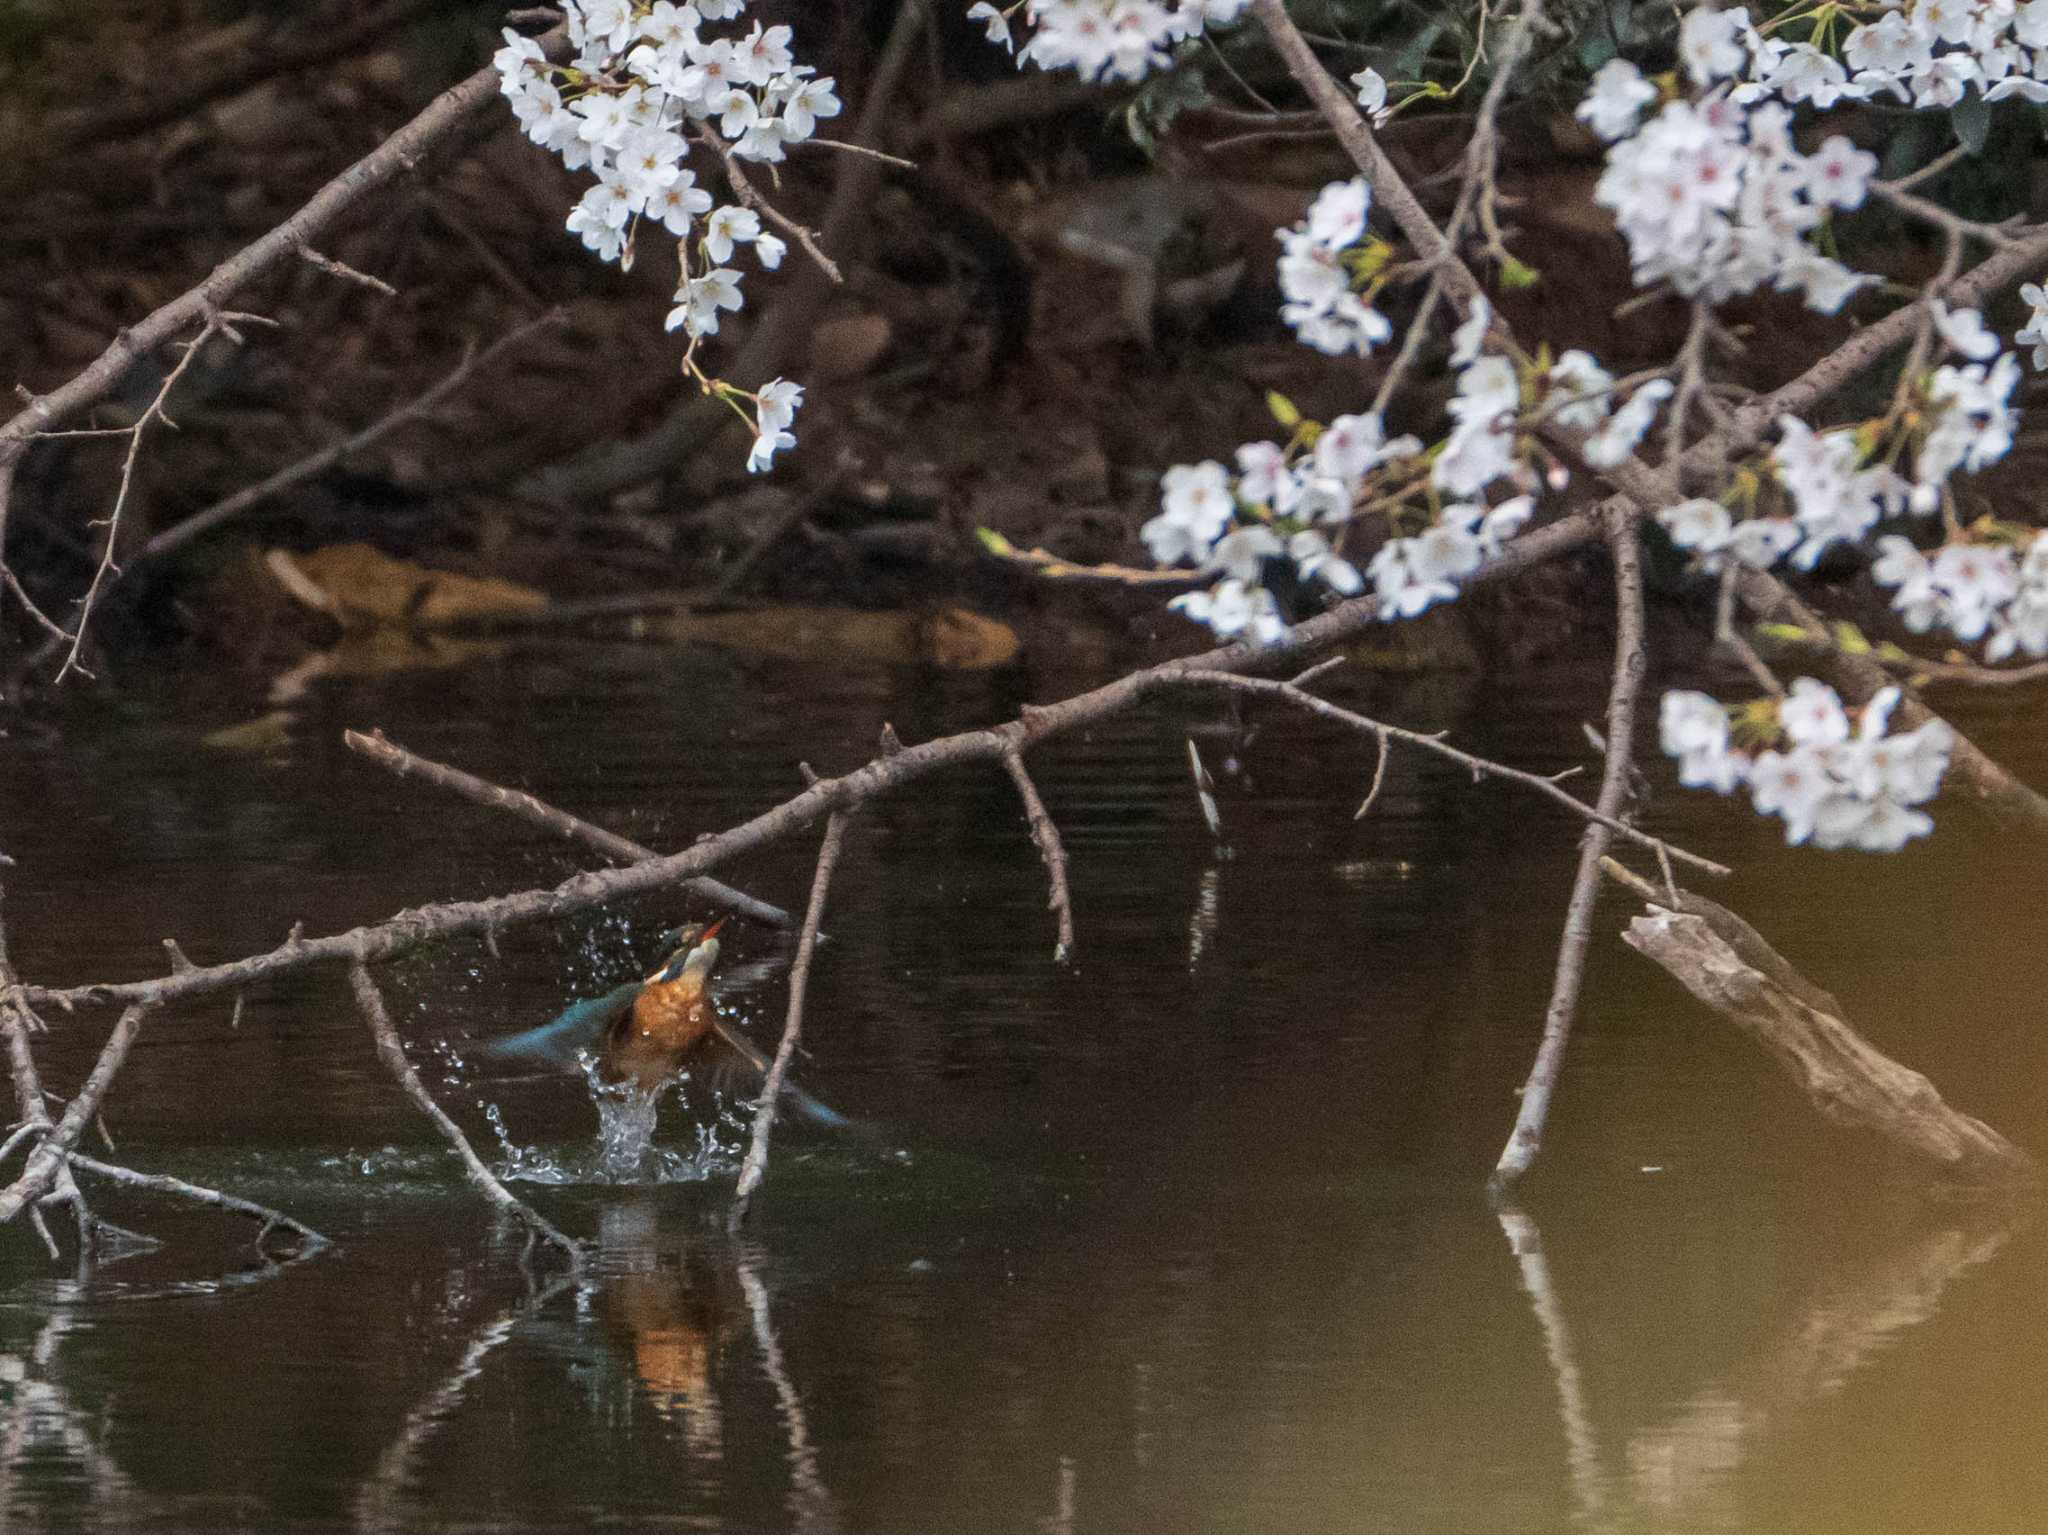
{"x":205,"y":521}
{"x":1046,"y":833}
{"x":310,"y":1241}
{"x":46,"y":1163}
{"x":397,"y":154}
{"x":387,"y":753}
{"x":1630,"y":663}
{"x":755,"y":1168}
{"x":392,"y":1053}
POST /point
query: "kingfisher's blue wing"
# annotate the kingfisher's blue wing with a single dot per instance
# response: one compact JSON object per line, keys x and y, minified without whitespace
{"x":578,"y":1027}
{"x":820,"y":1114}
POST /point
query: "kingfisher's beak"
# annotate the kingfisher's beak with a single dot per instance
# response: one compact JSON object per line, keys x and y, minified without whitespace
{"x":712,"y":931}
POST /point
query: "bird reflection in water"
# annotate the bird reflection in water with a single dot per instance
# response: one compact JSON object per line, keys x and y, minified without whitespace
{"x":663,"y":1314}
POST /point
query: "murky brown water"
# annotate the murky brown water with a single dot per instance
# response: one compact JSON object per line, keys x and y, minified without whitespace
{"x":1189,"y":1239}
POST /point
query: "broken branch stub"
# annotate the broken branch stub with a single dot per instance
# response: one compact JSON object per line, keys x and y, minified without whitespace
{"x":1846,"y":1078}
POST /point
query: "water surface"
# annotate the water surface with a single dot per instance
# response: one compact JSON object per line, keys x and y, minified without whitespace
{"x":1190,"y":1237}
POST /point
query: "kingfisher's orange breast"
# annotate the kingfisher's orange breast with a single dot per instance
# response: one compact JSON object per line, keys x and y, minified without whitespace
{"x":676,"y":1014}
{"x":666,"y":1023}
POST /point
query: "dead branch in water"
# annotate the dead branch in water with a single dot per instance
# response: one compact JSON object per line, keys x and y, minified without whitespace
{"x":310,"y":1241}
{"x":1046,"y":834}
{"x":1631,"y":661}
{"x":391,"y":1051}
{"x":1726,"y":963}
{"x":755,"y":1168}
{"x":48,"y":1175}
{"x":52,"y":1150}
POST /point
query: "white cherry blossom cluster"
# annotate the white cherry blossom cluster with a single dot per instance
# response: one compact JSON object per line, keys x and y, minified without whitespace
{"x":648,"y":83}
{"x":1284,"y":503}
{"x":1841,"y":488}
{"x":1575,"y":392}
{"x":1102,"y":39}
{"x":1319,"y":300}
{"x":1714,"y":197}
{"x":1280,"y":502}
{"x":1280,"y":499}
{"x":1835,"y":784}
{"x":1972,"y":588}
{"x":1929,"y":55}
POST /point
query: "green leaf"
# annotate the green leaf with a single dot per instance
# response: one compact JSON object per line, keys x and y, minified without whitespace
{"x":1790,"y":634}
{"x":1971,"y":118}
{"x":1283,"y":409}
{"x":1850,"y":641}
{"x":994,"y":542}
{"x":1517,"y":275}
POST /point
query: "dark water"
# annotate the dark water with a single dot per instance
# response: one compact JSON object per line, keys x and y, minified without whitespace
{"x":1191,"y":1238}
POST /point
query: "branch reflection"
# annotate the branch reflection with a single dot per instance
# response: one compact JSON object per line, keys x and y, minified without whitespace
{"x":1677,"y":1475}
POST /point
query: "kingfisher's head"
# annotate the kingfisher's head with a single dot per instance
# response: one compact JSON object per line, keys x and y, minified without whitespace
{"x":693,"y":950}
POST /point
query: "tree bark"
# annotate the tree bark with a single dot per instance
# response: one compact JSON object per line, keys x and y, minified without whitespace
{"x":1845,"y":1077}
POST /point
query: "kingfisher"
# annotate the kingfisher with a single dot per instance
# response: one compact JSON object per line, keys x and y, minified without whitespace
{"x":646,"y":1033}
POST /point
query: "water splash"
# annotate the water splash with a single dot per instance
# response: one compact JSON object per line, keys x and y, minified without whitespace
{"x":625,"y":1151}
{"x":626,"y":1117}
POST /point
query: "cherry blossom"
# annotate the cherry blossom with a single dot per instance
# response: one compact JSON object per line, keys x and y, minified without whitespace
{"x":643,"y":81}
{"x":1834,"y":784}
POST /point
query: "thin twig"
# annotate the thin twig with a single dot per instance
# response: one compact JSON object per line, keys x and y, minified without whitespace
{"x":49,"y":625}
{"x":1600,"y":816}
{"x":1921,"y":669}
{"x":1732,"y":639}
{"x":155,"y":411}
{"x":1935,"y":167}
{"x":755,"y":1168}
{"x":346,"y":272}
{"x":387,"y":753}
{"x":391,"y":1051}
{"x":182,"y":533}
{"x":857,"y":149}
{"x":1046,"y":833}
{"x":1379,"y":777}
{"x":805,"y":238}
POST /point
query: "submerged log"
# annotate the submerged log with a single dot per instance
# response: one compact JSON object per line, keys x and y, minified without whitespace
{"x":1729,"y":967}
